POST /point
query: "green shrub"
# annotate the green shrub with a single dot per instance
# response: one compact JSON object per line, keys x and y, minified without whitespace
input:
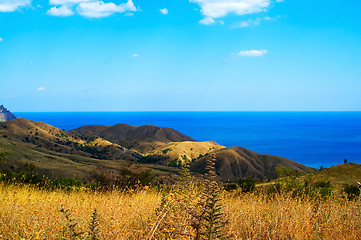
{"x":66,"y":183}
{"x":175,"y":163}
{"x":309,"y":187}
{"x":247,"y":184}
{"x":230,"y":186}
{"x":352,"y":192}
{"x":166,"y":150}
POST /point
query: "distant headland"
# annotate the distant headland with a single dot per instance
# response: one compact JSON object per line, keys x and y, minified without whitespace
{"x":6,"y":115}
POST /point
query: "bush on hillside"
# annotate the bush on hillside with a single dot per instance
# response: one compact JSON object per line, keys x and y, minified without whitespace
{"x":290,"y":181}
{"x":247,"y":184}
{"x":125,"y":179}
{"x":230,"y":186}
{"x":352,"y":192}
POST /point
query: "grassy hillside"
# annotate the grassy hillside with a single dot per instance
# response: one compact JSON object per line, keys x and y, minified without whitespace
{"x":349,"y":173}
{"x":235,"y":162}
{"x":186,"y":150}
{"x":143,"y":139}
{"x":56,"y":164}
{"x":54,"y":139}
{"x":58,"y":153}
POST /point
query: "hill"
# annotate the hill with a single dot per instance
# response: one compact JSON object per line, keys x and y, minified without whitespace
{"x":178,"y":152}
{"x":349,"y":173}
{"x":54,"y":139}
{"x":79,"y":152}
{"x":57,"y":153}
{"x":236,"y":162}
{"x":6,"y":115}
{"x":143,"y":139}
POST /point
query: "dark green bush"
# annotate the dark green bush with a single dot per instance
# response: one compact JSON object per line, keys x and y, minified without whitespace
{"x":352,"y":192}
{"x":125,"y":179}
{"x":247,"y":184}
{"x":230,"y":186}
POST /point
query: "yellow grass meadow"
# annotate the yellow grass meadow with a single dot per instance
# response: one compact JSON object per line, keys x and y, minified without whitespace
{"x":29,"y":213}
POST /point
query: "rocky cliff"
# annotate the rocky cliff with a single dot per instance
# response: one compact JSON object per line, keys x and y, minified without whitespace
{"x":6,"y":115}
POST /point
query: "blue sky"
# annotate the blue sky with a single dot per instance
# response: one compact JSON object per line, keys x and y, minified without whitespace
{"x":180,"y":55}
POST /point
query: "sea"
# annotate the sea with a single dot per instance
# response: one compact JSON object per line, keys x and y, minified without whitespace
{"x":314,"y":139}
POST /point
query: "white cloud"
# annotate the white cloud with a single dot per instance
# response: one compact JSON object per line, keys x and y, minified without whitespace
{"x":13,"y":5}
{"x":135,"y":55}
{"x":164,"y":11}
{"x":207,"y":21}
{"x":253,"y":22}
{"x":63,"y":11}
{"x":1,"y":39}
{"x":244,"y":24}
{"x":212,"y":9}
{"x":62,"y":2}
{"x":41,"y":89}
{"x":249,"y":23}
{"x":100,"y":9}
{"x":252,"y":53}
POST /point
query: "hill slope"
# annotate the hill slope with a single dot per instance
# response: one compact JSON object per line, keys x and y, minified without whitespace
{"x":82,"y":150}
{"x":180,"y":151}
{"x":57,"y":153}
{"x":143,"y":139}
{"x":236,"y":162}
{"x":54,"y":139}
{"x":349,"y":173}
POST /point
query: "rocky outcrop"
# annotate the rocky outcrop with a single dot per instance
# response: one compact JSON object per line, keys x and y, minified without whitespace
{"x":6,"y":115}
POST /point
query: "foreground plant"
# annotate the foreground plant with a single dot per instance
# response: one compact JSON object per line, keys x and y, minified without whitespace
{"x":208,"y":215}
{"x":94,"y":226}
{"x":172,"y":217}
{"x":71,"y":225}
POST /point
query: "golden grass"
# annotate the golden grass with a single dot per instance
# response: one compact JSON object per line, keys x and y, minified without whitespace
{"x":191,"y":150}
{"x":29,"y":213}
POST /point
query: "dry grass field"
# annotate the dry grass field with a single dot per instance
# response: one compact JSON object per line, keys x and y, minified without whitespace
{"x":30,"y":213}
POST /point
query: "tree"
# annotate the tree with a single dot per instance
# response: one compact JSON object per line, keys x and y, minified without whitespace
{"x":345,"y":161}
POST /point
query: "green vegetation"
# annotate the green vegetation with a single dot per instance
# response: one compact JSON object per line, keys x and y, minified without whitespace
{"x":298,"y":185}
{"x":125,"y":179}
{"x":352,"y":192}
{"x":165,"y":151}
{"x":175,"y":163}
{"x":2,"y":157}
{"x":25,"y":174}
{"x":247,"y":184}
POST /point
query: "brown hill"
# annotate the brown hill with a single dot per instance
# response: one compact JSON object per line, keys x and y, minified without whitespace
{"x":61,"y":153}
{"x":57,"y":153}
{"x":143,"y":139}
{"x":60,"y":165}
{"x":51,"y":138}
{"x":180,"y":151}
{"x":236,"y":162}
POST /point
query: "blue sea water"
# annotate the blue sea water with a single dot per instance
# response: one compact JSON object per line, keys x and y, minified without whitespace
{"x":311,"y":138}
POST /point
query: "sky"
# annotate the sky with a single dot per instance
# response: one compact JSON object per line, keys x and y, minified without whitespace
{"x":180,"y":55}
